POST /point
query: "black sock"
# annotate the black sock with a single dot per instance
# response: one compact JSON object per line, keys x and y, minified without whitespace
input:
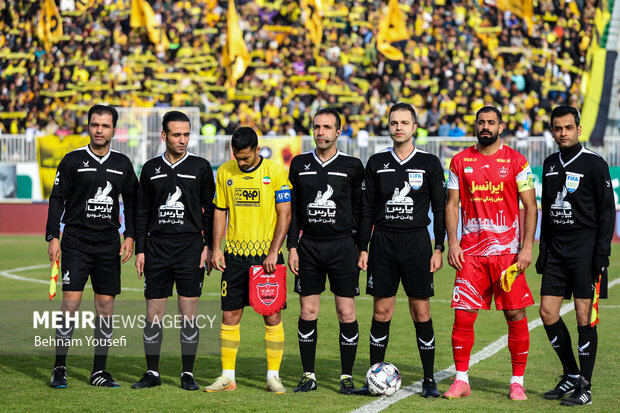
{"x":153,"y":337}
{"x":426,"y":345}
{"x":559,"y":337}
{"x":103,"y":333}
{"x":63,"y":337}
{"x":307,"y":336}
{"x":349,"y":336}
{"x":379,"y":337}
{"x":189,"y":344}
{"x":588,"y":343}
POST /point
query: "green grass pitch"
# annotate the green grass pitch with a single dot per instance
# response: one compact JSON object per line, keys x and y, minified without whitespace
{"x":24,"y":379}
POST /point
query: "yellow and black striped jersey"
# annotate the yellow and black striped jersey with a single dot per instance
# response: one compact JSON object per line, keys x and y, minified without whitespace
{"x":250,"y":198}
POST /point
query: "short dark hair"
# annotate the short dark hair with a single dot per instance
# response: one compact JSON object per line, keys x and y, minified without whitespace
{"x":564,"y":110}
{"x":329,"y":111}
{"x":244,"y":137}
{"x":404,"y":106}
{"x":486,"y":109}
{"x":174,"y":116}
{"x":103,"y":109}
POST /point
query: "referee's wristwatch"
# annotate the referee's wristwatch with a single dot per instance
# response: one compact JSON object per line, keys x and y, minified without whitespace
{"x":49,"y":237}
{"x":440,"y":247}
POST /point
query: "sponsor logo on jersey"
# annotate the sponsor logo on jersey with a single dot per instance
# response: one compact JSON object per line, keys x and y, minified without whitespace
{"x":561,"y":211}
{"x":247,"y":197}
{"x":416,"y":179}
{"x":307,"y":167}
{"x":229,"y":182}
{"x":400,"y":206}
{"x":172,"y":211}
{"x":322,"y":209}
{"x":85,"y":163}
{"x":57,"y":180}
{"x":100,"y":205}
{"x":158,"y":170}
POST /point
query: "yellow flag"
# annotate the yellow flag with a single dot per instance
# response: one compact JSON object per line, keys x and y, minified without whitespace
{"x":509,"y":275}
{"x":314,"y":19}
{"x":521,"y":8}
{"x":235,"y":56}
{"x":50,"y":22}
{"x":392,"y":28}
{"x":142,"y":15}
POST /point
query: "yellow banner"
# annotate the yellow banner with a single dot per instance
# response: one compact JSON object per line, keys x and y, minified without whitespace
{"x":50,"y":151}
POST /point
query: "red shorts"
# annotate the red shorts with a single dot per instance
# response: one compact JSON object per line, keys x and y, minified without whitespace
{"x":478,"y":282}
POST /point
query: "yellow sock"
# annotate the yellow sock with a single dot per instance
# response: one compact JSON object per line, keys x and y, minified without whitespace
{"x":230,"y":337}
{"x":274,"y":346}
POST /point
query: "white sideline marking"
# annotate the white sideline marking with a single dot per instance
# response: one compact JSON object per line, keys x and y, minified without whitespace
{"x":384,"y":402}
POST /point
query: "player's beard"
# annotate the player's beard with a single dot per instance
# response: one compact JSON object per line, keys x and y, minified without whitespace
{"x":487,"y":141}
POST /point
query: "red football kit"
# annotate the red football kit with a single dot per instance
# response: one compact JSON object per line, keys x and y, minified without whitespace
{"x":489,"y":189}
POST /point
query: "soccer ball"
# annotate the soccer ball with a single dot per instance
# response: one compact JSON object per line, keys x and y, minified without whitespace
{"x":383,"y":379}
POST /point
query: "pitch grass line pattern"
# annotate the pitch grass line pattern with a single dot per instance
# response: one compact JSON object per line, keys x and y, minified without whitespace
{"x":386,"y":401}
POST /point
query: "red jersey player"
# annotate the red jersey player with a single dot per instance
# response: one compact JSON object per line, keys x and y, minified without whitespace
{"x":488,"y":179}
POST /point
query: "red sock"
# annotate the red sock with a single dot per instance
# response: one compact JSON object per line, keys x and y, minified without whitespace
{"x":463,"y":338}
{"x":518,"y":344}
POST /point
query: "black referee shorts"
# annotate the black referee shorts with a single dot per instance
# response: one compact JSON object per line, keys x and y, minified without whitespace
{"x":170,"y":259}
{"x":569,"y":270}
{"x":400,"y":256}
{"x":336,"y":258}
{"x":100,"y":259}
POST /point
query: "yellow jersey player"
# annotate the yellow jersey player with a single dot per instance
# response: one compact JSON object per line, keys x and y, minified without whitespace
{"x":254,"y":194}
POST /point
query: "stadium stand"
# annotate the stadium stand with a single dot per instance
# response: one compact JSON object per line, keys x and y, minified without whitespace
{"x":460,"y":55}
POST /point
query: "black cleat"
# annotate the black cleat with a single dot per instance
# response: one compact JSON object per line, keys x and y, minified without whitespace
{"x":429,"y":388}
{"x":580,"y":396}
{"x":188,"y":382}
{"x":103,"y":379}
{"x":363,"y":391}
{"x":306,"y":384}
{"x":347,"y":387}
{"x":565,"y":386}
{"x":147,"y":380}
{"x":59,"y":377}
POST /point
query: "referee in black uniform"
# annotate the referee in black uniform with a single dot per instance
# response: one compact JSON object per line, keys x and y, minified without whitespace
{"x":578,"y":221}
{"x":326,"y":199}
{"x":401,"y":183}
{"x":174,"y":231}
{"x":88,"y":184}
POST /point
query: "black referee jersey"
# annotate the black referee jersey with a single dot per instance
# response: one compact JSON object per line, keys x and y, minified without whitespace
{"x":326,"y":196}
{"x":87,"y":189}
{"x":175,"y":198}
{"x":578,"y":197}
{"x":398,"y":193}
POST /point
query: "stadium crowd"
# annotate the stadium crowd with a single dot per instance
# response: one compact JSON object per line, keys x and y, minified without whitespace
{"x":460,"y":56}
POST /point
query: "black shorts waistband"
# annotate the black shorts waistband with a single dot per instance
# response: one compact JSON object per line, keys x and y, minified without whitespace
{"x":323,"y":238}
